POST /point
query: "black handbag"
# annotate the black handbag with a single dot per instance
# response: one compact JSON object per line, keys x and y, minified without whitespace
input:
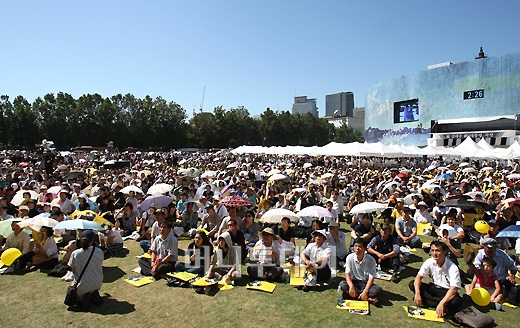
{"x":71,"y":296}
{"x":471,"y":317}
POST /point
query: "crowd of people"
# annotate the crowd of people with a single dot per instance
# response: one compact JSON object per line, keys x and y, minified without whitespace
{"x":218,"y":201}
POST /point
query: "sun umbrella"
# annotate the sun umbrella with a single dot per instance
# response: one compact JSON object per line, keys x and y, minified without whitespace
{"x":231,"y":166}
{"x":315,"y":212}
{"x":92,"y":205}
{"x":513,"y":231}
{"x":209,"y":174}
{"x":307,"y":165}
{"x":235,"y":201}
{"x":145,"y":172}
{"x":431,"y":186}
{"x":277,"y":176}
{"x":54,"y":189}
{"x":367,"y":207}
{"x":134,"y":188}
{"x":75,"y":174}
{"x":463,"y":164}
{"x":402,"y":175}
{"x":474,"y":194}
{"x":225,"y":189}
{"x":37,"y":222}
{"x":275,"y":216}
{"x":390,"y":184}
{"x":18,"y":197}
{"x":510,"y":201}
{"x":327,"y":175}
{"x":157,"y":200}
{"x":202,"y":188}
{"x":160,"y":188}
{"x":408,"y":200}
{"x":90,"y":216}
{"x":5,"y":227}
{"x":445,"y":176}
{"x":77,"y":224}
{"x":487,"y":168}
{"x":300,"y":190}
{"x":273,"y":172}
{"x":469,"y":170}
{"x":463,"y":203}
{"x":513,"y":176}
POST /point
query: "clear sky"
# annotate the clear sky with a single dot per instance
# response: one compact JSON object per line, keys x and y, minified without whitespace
{"x":255,"y":54}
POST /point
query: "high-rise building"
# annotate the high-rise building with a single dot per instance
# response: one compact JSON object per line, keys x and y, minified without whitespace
{"x":339,"y":104}
{"x":303,"y":105}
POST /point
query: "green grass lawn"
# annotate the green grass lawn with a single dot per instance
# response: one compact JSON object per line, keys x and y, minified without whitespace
{"x":35,"y":299}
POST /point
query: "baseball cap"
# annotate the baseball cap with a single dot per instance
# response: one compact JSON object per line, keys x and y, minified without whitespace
{"x":88,"y":235}
{"x":385,"y":226}
{"x":333,"y":224}
{"x":407,"y":209}
{"x":489,"y":242}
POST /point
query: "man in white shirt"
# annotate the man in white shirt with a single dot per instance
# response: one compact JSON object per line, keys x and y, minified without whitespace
{"x":317,"y":255}
{"x":360,"y":272}
{"x":442,"y":293}
{"x":267,"y":253}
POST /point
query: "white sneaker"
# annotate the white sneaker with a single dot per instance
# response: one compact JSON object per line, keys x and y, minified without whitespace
{"x":69,"y":276}
{"x":8,"y":270}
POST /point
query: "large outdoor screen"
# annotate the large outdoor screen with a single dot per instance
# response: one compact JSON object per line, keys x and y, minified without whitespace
{"x":406,"y":111}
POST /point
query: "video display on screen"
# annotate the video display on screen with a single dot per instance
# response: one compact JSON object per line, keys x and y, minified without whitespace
{"x":406,"y":111}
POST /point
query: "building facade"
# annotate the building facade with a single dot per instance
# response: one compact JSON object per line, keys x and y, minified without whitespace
{"x":339,"y":104}
{"x":445,"y":101}
{"x":303,"y":105}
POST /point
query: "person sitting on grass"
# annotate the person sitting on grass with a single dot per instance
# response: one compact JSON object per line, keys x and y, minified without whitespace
{"x":267,"y":254}
{"x":337,"y":239}
{"x":164,"y":253}
{"x":42,"y":256}
{"x":226,"y":261}
{"x":360,"y":272}
{"x":442,"y":293}
{"x":385,"y":250}
{"x":406,"y":229}
{"x":237,"y":237}
{"x":199,"y":253}
{"x":317,"y":255}
{"x":250,"y":230}
{"x":487,"y":279}
{"x":111,"y":241}
{"x":210,"y":221}
{"x":127,"y":221}
{"x":365,"y":231}
{"x":189,"y":218}
{"x":505,"y":268}
{"x":160,"y":215}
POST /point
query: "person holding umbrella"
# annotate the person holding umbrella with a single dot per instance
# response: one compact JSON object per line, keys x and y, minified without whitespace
{"x":42,"y":256}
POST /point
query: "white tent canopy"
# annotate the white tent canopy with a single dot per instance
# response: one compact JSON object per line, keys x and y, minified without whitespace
{"x":468,"y":148}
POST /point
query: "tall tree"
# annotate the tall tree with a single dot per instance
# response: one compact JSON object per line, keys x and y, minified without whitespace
{"x":346,"y":134}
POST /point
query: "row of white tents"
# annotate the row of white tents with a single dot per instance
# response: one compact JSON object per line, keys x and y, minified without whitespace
{"x":467,"y":149}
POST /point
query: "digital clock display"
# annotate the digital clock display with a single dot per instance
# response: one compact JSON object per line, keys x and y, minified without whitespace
{"x":474,"y":94}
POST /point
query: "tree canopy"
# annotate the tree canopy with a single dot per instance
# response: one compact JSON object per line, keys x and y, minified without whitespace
{"x":142,"y":123}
